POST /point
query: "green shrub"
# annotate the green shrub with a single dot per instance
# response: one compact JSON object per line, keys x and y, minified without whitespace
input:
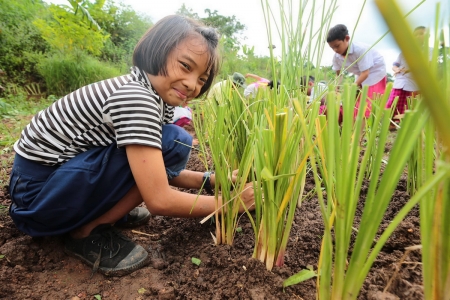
{"x":20,"y":41}
{"x":64,"y":73}
{"x":4,"y":107}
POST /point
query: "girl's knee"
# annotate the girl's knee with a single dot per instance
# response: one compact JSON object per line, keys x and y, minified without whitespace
{"x":176,"y":144}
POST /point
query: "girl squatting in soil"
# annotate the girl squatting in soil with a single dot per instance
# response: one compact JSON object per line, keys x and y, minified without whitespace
{"x":87,"y":161}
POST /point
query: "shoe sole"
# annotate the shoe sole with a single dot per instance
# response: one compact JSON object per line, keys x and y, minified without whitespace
{"x":112,"y":271}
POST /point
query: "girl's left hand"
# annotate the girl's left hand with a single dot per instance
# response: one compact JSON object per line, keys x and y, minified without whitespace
{"x":248,"y":197}
{"x":234,"y":175}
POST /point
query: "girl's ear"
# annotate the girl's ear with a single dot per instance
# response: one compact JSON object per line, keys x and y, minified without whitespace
{"x":347,"y":38}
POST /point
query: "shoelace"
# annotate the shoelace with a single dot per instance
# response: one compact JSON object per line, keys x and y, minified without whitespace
{"x":106,"y":241}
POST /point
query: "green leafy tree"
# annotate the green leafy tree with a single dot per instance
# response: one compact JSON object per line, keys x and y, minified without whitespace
{"x":228,"y":27}
{"x":390,"y":78}
{"x":125,"y":28}
{"x":67,"y":30}
{"x":251,"y":63}
{"x":188,"y":12}
{"x":20,"y":42}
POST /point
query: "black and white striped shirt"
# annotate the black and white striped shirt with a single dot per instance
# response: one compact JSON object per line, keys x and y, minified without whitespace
{"x":123,"y":109}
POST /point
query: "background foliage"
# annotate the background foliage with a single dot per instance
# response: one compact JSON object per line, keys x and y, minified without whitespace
{"x":54,"y":49}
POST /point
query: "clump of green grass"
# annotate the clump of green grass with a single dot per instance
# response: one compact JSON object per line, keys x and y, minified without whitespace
{"x":434,"y":206}
{"x":15,"y":112}
{"x":65,"y":73}
{"x":7,"y":158}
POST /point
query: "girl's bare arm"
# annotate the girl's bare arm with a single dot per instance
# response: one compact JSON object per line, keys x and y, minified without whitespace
{"x":148,"y":169}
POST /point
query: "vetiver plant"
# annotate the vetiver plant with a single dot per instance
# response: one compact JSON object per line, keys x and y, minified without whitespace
{"x":280,"y":167}
{"x":224,"y":122}
{"x":434,"y":207}
{"x":422,"y":159}
{"x":265,"y":124}
{"x":281,"y":155}
{"x":340,"y":275}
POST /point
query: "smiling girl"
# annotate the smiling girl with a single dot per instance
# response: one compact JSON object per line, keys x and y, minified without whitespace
{"x":88,"y":161}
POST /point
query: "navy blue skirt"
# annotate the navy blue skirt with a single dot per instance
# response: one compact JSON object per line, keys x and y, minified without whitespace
{"x":53,"y":200}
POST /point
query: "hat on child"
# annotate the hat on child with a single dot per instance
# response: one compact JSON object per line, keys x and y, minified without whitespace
{"x":238,"y":79}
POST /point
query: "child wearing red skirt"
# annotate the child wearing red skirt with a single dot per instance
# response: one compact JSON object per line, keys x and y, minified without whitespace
{"x":404,"y":84}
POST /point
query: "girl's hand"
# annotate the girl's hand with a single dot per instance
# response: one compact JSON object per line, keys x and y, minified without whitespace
{"x":234,"y":175}
{"x":248,"y":197}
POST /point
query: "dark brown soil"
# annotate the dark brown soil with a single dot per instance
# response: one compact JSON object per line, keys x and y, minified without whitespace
{"x":37,"y":268}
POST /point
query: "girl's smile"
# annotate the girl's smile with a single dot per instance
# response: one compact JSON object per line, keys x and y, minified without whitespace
{"x":181,"y":94}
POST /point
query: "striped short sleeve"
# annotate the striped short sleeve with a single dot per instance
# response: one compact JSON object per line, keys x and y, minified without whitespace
{"x":136,"y":116}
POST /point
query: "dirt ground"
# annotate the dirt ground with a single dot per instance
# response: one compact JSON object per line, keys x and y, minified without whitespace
{"x":37,"y":268}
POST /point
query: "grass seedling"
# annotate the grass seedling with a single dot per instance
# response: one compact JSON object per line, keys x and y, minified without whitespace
{"x":280,"y":167}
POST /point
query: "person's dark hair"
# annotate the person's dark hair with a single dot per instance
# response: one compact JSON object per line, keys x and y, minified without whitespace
{"x":338,"y":32}
{"x":270,"y":84}
{"x":153,"y":49}
{"x":420,"y":28}
{"x":304,"y":82}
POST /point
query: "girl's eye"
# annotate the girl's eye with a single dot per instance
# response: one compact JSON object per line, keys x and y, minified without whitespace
{"x":185,"y":65}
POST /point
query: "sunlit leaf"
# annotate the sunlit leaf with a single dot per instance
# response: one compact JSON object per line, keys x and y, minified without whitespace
{"x":299,"y":277}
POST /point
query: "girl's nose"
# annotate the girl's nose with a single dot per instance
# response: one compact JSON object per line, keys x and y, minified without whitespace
{"x":190,"y":83}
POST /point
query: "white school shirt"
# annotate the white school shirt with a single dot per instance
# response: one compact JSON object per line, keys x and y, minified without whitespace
{"x":216,"y":91}
{"x":319,"y":92}
{"x":405,"y":81}
{"x":372,"y":61}
{"x":252,"y":88}
{"x":181,"y":112}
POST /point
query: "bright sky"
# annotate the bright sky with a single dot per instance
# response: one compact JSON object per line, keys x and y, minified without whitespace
{"x":249,"y":12}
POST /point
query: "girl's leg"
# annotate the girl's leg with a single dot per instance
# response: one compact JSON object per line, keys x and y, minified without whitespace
{"x":176,"y":150}
{"x":50,"y":201}
{"x":80,"y":197}
{"x":122,"y":208}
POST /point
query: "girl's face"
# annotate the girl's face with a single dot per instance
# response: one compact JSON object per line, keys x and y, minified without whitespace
{"x":187,"y":72}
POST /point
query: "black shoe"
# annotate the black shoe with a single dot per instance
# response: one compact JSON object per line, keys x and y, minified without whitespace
{"x":108,"y":251}
{"x":136,"y":217}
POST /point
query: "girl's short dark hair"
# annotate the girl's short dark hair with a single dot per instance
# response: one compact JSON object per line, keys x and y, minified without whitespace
{"x":153,"y":49}
{"x":338,"y":32}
